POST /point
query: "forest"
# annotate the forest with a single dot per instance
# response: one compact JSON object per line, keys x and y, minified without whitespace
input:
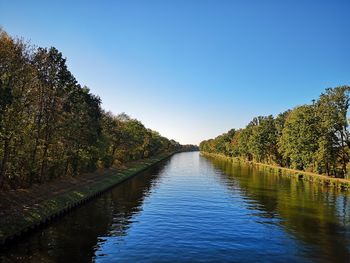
{"x":312,"y":137}
{"x":51,"y":126}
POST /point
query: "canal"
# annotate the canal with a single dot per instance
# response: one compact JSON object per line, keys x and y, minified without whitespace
{"x":194,"y":208}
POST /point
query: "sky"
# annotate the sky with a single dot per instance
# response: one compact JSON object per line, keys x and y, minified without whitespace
{"x":193,"y":69}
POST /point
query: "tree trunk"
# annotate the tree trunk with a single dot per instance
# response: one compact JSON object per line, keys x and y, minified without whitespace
{"x":343,"y":154}
{"x":4,"y":162}
{"x":44,"y":158}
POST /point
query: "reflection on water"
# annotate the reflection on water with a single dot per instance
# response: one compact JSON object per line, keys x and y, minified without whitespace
{"x":317,"y":216}
{"x":193,"y":208}
{"x":76,"y":236}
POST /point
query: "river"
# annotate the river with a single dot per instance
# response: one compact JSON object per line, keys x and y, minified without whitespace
{"x":192,"y":208}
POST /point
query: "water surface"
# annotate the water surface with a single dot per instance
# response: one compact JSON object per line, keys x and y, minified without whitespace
{"x":192,"y":208}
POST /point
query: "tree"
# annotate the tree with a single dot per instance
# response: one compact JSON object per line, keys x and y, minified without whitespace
{"x":243,"y":143}
{"x":55,"y":83}
{"x":16,"y":92}
{"x":280,"y":121}
{"x":332,"y":108}
{"x":51,"y":126}
{"x":310,"y":137}
{"x":299,"y":140}
{"x":263,"y":139}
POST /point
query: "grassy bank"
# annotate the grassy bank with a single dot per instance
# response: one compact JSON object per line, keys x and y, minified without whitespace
{"x":20,"y":215}
{"x":339,"y":183}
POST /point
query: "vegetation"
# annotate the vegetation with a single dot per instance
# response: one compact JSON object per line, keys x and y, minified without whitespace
{"x":19,"y":213}
{"x":313,"y":138}
{"x":51,"y":126}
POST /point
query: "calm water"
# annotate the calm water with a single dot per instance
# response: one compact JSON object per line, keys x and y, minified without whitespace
{"x":191,"y":208}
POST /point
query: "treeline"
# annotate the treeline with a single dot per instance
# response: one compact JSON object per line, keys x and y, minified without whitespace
{"x":312,"y":137}
{"x":51,"y":126}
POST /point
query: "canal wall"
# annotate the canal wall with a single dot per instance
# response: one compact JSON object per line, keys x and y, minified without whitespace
{"x":13,"y":226}
{"x":339,"y":183}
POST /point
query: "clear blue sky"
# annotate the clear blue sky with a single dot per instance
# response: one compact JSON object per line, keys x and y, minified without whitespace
{"x":194,"y":69}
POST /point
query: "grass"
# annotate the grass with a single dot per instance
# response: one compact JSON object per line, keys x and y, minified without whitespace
{"x":31,"y":216}
{"x":339,"y":183}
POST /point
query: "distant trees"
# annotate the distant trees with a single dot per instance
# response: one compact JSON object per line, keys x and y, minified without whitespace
{"x":311,"y":137}
{"x":126,"y":139}
{"x":51,"y":127}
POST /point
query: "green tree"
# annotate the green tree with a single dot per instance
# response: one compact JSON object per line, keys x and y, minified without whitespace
{"x":299,"y":140}
{"x":243,"y":143}
{"x":263,"y":139}
{"x":51,"y":127}
{"x":280,"y":121}
{"x":17,"y":82}
{"x":332,"y":108}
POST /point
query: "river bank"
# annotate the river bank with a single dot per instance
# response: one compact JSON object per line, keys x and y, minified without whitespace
{"x":339,"y":183}
{"x":191,"y":208}
{"x":24,"y":210}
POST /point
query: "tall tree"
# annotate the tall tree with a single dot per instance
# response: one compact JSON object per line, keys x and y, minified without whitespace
{"x":50,"y":126}
{"x":332,"y":108}
{"x":16,"y":91}
{"x":299,"y":140}
{"x":263,"y":140}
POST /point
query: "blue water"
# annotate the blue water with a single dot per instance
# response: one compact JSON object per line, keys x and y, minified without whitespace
{"x":194,"y":209}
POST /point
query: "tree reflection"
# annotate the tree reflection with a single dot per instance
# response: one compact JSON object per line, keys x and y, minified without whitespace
{"x":76,"y":236}
{"x":315,"y":216}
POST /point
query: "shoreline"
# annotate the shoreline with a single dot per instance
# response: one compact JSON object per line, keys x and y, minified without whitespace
{"x":339,"y":183}
{"x":31,"y":217}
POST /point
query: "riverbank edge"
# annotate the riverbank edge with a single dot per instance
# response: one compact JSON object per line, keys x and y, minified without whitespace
{"x":50,"y":209}
{"x":339,"y":183}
